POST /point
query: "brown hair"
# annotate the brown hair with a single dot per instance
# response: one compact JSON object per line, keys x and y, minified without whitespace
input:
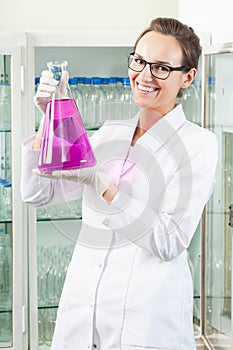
{"x":186,"y":37}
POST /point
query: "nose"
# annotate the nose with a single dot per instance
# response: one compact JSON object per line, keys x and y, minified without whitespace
{"x":146,"y":72}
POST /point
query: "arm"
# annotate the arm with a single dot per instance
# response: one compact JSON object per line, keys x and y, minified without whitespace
{"x":39,"y":191}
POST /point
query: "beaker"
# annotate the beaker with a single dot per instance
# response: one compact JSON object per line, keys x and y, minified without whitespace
{"x":65,"y":144}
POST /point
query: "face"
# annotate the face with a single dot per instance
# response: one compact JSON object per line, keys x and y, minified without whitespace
{"x":152,"y":93}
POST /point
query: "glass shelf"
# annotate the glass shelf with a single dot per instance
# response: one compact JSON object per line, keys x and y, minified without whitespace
{"x":3,"y":221}
{"x":60,"y":218}
{"x":5,"y":130}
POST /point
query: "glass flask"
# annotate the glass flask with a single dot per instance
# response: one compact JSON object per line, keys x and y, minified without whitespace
{"x":65,"y":144}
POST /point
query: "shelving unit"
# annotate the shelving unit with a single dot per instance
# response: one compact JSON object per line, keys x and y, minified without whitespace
{"x":41,"y":231}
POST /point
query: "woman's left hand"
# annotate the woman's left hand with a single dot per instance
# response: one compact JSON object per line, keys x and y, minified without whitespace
{"x":88,"y":176}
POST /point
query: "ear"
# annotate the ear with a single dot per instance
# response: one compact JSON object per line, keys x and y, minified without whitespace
{"x":188,"y":78}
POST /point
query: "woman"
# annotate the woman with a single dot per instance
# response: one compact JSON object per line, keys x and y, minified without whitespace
{"x":128,"y":285}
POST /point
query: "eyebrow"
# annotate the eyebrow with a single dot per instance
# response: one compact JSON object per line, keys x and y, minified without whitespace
{"x":159,"y":62}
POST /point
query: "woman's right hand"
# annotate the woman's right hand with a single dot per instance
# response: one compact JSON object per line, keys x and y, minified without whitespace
{"x":45,"y":90}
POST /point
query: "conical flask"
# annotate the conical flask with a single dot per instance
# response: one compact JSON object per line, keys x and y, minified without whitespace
{"x":65,"y":144}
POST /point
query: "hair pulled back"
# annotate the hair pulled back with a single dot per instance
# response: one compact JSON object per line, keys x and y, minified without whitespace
{"x":185,"y":36}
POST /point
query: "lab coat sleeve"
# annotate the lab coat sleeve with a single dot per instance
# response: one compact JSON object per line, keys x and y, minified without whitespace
{"x":167,"y":233}
{"x":39,"y":191}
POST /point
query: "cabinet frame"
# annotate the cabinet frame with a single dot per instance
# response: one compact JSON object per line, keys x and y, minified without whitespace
{"x":208,"y":51}
{"x":13,"y":44}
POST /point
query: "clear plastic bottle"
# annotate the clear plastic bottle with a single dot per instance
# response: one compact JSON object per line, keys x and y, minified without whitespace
{"x":127,"y":109}
{"x":5,"y":106}
{"x":190,"y":102}
{"x":5,"y":270}
{"x":210,"y":100}
{"x":3,"y":182}
{"x":113,"y":98}
{"x":76,"y":93}
{"x":87,"y":89}
{"x":7,"y":202}
{"x":98,"y":103}
{"x":65,"y":144}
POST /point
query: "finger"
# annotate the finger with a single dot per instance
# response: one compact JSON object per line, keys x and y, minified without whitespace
{"x":42,"y":94}
{"x":62,"y":174}
{"x":39,"y":173}
{"x":63,"y":83}
{"x":46,"y":88}
{"x":46,"y":74}
{"x":48,"y":81}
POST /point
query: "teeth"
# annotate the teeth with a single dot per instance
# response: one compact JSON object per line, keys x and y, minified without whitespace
{"x":145,"y":88}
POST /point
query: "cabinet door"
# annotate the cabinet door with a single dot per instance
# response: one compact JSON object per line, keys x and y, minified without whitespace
{"x":88,"y":54}
{"x":53,"y":230}
{"x":218,"y":234}
{"x":13,"y":328}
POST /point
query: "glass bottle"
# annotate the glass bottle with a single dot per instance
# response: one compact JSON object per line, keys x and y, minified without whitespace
{"x":65,"y":144}
{"x":76,"y":93}
{"x":87,"y":90}
{"x":7,"y":201}
{"x":210,"y":100}
{"x":112,"y":98}
{"x":5,"y":106}
{"x":5,"y":270}
{"x":97,"y":100}
{"x":127,"y":109}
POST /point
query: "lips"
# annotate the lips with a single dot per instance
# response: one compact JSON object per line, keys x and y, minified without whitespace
{"x":147,"y":88}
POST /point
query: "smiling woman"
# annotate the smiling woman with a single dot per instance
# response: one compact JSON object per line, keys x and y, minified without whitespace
{"x":128,"y":285}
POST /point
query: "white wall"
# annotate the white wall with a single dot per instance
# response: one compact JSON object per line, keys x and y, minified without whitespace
{"x":83,"y":14}
{"x":209,"y":16}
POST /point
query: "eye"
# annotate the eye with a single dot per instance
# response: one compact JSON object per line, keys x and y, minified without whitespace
{"x":139,"y":60}
{"x":160,"y":68}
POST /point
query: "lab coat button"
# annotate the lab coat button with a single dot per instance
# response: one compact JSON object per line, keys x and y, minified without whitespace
{"x":94,"y":346}
{"x":106,"y":222}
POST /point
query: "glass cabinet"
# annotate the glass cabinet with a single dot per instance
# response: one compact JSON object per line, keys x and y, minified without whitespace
{"x":39,"y":242}
{"x":54,"y":230}
{"x":217,"y":243}
{"x":13,"y":279}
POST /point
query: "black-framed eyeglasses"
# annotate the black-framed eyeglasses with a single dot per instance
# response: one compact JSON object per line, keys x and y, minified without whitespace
{"x":157,"y":69}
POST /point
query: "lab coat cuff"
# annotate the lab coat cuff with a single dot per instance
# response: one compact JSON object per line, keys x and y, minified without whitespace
{"x":31,"y":184}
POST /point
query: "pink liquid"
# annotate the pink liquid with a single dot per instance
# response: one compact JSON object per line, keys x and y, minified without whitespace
{"x":66,"y":146}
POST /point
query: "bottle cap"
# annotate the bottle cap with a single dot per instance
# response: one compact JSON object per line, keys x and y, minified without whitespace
{"x":96,"y":80}
{"x":73,"y":81}
{"x":125,"y":81}
{"x":211,"y":80}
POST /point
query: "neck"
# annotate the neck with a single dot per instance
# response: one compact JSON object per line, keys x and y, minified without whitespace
{"x":148,"y":118}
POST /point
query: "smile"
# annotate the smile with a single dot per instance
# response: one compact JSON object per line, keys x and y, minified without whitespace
{"x":147,"y":88}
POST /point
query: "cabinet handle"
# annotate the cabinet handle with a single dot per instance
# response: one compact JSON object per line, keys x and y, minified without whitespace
{"x":231,"y":215}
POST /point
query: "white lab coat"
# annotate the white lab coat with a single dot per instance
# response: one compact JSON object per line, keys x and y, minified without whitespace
{"x":128,"y":285}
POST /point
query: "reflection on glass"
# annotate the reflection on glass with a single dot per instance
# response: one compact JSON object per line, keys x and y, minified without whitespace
{"x":5,"y":205}
{"x":219,"y":93}
{"x":194,"y":258}
{"x":53,"y":263}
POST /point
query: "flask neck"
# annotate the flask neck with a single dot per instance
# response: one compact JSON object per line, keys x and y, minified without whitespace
{"x":57,"y":68}
{"x":59,"y":71}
